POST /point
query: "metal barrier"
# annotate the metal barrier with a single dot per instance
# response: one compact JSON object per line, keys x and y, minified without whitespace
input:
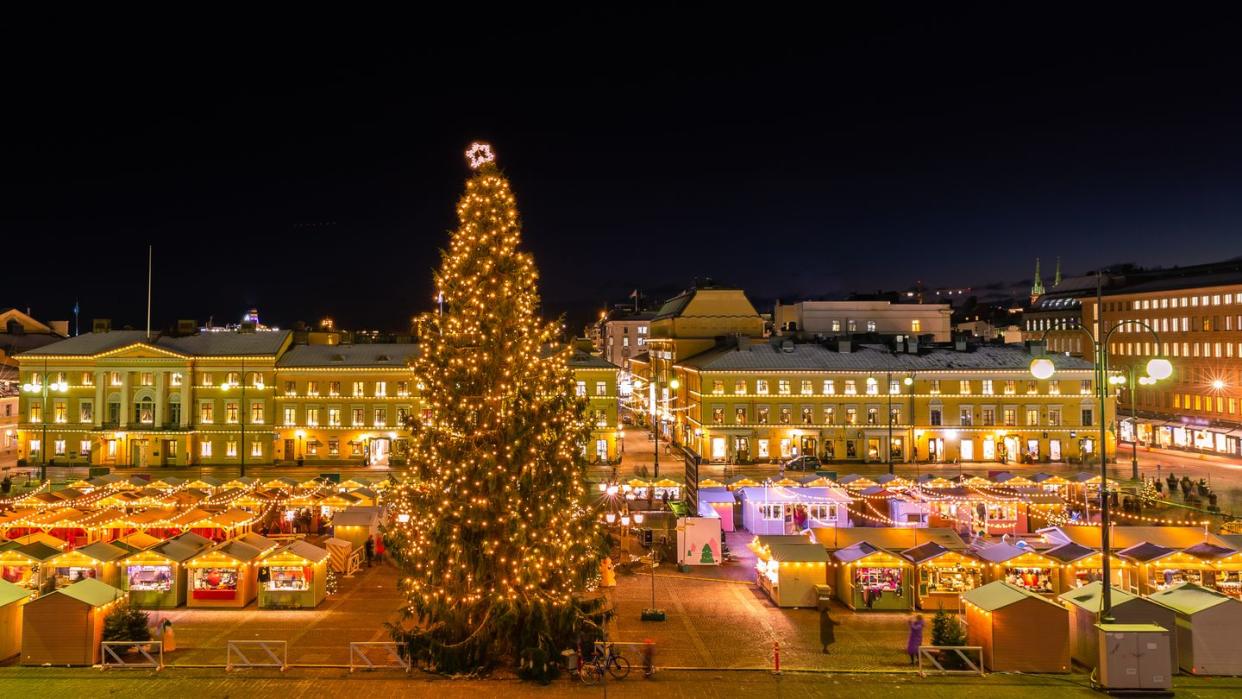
{"x":110,"y":657}
{"x":940,"y":656}
{"x":267,"y":655}
{"x":391,"y":658}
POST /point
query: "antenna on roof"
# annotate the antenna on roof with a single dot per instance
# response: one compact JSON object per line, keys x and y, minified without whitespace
{"x":150,"y":254}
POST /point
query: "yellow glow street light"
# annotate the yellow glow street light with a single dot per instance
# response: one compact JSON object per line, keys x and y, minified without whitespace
{"x":674,"y":384}
{"x":1042,"y":368}
{"x":1218,"y":385}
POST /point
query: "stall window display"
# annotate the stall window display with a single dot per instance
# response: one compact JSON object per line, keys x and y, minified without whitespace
{"x":297,"y":578}
{"x":215,"y":583}
{"x":18,"y":575}
{"x":1083,"y":576}
{"x":1230,"y":582}
{"x":1033,"y":579}
{"x":71,"y":574}
{"x":157,"y":578}
{"x":873,"y":582}
{"x":1166,"y":578}
{"x":949,"y":579}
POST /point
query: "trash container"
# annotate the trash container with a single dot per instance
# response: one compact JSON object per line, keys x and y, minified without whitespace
{"x":823,"y":597}
{"x":571,"y":659}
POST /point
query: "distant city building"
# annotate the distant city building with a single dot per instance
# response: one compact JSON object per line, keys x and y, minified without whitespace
{"x":625,"y":334}
{"x":835,"y":318}
{"x":249,"y":321}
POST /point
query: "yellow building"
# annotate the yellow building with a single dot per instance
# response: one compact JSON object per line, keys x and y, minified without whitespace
{"x":119,"y":398}
{"x":739,"y":397}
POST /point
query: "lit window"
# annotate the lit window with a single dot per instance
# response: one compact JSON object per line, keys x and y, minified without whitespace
{"x":334,"y":417}
{"x":256,"y":413}
{"x":174,"y":379}
{"x":206,"y":413}
{"x":739,"y":387}
{"x":312,"y":417}
{"x":807,"y":387}
{"x":782,"y":387}
{"x":230,"y":413}
{"x":88,"y":379}
{"x":601,"y":387}
{"x":381,"y":389}
{"x":204,"y":449}
{"x":579,"y":389}
{"x":359,"y":389}
{"x":916,"y":326}
{"x":291,"y":415}
{"x":381,"y":417}
{"x":256,"y":448}
{"x":830,"y":387}
{"x":230,"y":448}
{"x":761,"y":387}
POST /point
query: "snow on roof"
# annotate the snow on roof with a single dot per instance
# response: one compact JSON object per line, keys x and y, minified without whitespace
{"x":817,"y":357}
{"x":377,"y":355}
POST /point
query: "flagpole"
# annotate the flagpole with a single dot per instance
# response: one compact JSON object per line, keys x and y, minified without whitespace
{"x":150,"y":254}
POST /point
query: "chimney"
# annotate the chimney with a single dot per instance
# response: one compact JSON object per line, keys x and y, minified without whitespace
{"x":959,"y":343}
{"x":743,"y":343}
{"x":912,"y":345}
{"x":101,"y":325}
{"x":1036,"y":348}
{"x":787,"y":346}
{"x":247,"y":326}
{"x":843,"y":346}
{"x":187,"y":326}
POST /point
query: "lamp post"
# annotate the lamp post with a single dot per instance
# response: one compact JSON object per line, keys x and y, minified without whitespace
{"x":1157,"y":368}
{"x":1129,"y":382}
{"x":44,"y":386}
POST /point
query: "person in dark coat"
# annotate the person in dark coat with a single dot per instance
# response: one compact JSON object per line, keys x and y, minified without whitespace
{"x":916,"y":637}
{"x":369,"y":547}
{"x":827,"y":629}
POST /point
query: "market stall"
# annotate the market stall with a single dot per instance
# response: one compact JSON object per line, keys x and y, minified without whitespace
{"x":99,"y":561}
{"x":1019,"y":630}
{"x":1081,"y":565}
{"x":1021,"y":566}
{"x":778,"y":510}
{"x":293,"y":577}
{"x":1229,"y":573}
{"x":156,"y":578}
{"x":943,"y":575}
{"x":719,"y":501}
{"x":1175,"y":569}
{"x":787,"y":569}
{"x":224,"y":576}
{"x":1084,"y":605}
{"x":1142,"y":559}
{"x":356,"y":525}
{"x":24,"y":565}
{"x":871,"y":579}
{"x":12,"y":600}
{"x":1207,"y":629}
{"x":65,"y":627}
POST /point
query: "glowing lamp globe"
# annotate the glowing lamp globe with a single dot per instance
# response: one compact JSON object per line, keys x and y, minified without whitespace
{"x":638,"y":518}
{"x":610,"y":517}
{"x":1159,"y":368}
{"x":1042,"y":368}
{"x":674,"y":384}
{"x":908,"y":381}
{"x":1217,"y":384}
{"x":603,"y":487}
{"x":625,"y":520}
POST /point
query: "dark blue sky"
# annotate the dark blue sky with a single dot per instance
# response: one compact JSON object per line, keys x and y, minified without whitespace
{"x":311,"y":166}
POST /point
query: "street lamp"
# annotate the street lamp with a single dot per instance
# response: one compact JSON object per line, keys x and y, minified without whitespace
{"x":1157,"y":368}
{"x":44,"y":386}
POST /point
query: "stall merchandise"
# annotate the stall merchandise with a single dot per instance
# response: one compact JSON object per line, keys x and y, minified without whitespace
{"x":98,"y":560}
{"x":1081,"y":565}
{"x":12,"y":599}
{"x":156,"y":578}
{"x":1084,"y":605}
{"x":66,"y":627}
{"x":1019,"y":630}
{"x":1207,"y":629}
{"x":943,"y":576}
{"x":225,"y":576}
{"x":788,"y":569}
{"x":1229,"y":571}
{"x":1022,"y":567}
{"x":293,"y":577}
{"x":873,"y":579}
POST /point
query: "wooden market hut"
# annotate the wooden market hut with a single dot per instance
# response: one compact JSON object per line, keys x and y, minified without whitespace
{"x":356,"y":525}
{"x":23,"y":565}
{"x":942,"y":576}
{"x":873,"y":579}
{"x":1084,"y":605}
{"x":1207,"y":629}
{"x":788,"y":569}
{"x":1019,"y":630}
{"x":42,"y":538}
{"x":780,"y":510}
{"x":720,"y":502}
{"x":138,"y":541}
{"x":1081,"y":565}
{"x":1174,"y":537}
{"x":66,"y":627}
{"x":1229,"y":571}
{"x":1142,"y":558}
{"x":12,"y":600}
{"x":98,"y":560}
{"x":1195,"y":564}
{"x":1021,"y":566}
{"x":891,"y":538}
{"x":224,"y":576}
{"x":157,"y":577}
{"x":293,"y":576}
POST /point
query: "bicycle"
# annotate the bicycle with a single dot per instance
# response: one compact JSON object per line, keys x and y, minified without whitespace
{"x":593,"y":670}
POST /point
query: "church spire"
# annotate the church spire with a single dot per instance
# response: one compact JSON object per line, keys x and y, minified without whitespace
{"x":1056,"y":281}
{"x":1037,"y":287}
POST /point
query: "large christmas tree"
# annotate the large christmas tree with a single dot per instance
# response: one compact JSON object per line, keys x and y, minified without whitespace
{"x":500,"y":537}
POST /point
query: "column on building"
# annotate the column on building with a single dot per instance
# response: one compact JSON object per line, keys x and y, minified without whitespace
{"x":186,"y":380}
{"x":124,"y":399}
{"x":160,"y":377}
{"x":101,"y":395}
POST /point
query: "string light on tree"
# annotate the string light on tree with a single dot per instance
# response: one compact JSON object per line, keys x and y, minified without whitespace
{"x":495,"y":531}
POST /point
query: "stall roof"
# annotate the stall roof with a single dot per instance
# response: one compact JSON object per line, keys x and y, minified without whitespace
{"x":37,"y":550}
{"x":10,"y":593}
{"x":894,"y":538}
{"x":1125,"y":537}
{"x":139,"y":540}
{"x":92,"y":592}
{"x":261,"y":543}
{"x":303,"y":549}
{"x":1068,"y":553}
{"x":238,"y":551}
{"x":717,"y":495}
{"x":356,"y":517}
{"x":1001,"y":552}
{"x":1189,"y":599}
{"x":859,"y":551}
{"x":102,"y":552}
{"x":1209,"y":552}
{"x":1091,"y":596}
{"x":42,"y":538}
{"x":799,"y":552}
{"x":1000,"y":594}
{"x":1146,"y":552}
{"x":783,"y":494}
{"x":925,"y":552}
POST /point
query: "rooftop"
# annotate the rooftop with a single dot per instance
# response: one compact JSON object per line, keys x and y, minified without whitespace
{"x":807,"y":356}
{"x":381,"y":355}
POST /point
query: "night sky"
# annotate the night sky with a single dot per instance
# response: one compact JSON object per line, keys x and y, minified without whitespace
{"x":311,"y":166}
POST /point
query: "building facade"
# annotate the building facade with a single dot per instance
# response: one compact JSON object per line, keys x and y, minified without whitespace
{"x":835,"y":318}
{"x":120,"y":398}
{"x":745,"y":398}
{"x":624,"y":335}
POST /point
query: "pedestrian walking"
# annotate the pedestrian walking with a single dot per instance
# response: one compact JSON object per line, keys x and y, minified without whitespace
{"x":369,"y":547}
{"x":916,"y":637}
{"x":827,"y":629}
{"x":379,"y":548}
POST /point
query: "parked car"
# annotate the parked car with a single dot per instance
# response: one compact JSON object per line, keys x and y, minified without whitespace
{"x":801,"y":463}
